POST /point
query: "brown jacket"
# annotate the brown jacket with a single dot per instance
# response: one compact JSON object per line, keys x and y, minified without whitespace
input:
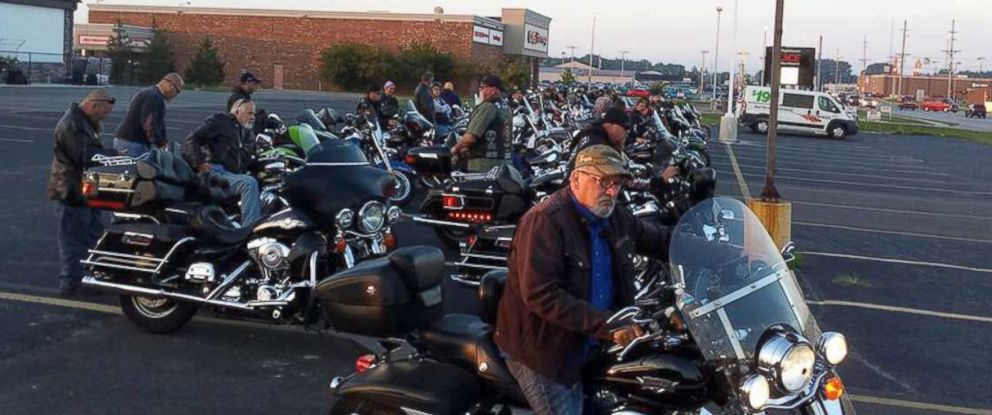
{"x":545,"y":316}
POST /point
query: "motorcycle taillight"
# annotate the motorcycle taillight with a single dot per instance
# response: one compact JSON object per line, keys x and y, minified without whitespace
{"x":410,"y":159}
{"x":452,"y":202}
{"x":365,"y":362}
{"x":89,"y":188}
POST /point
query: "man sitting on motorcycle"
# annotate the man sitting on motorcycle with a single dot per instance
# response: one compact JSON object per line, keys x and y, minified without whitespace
{"x":570,"y":266}
{"x":230,"y":151}
{"x":486,"y":143}
{"x":371,"y":105}
{"x":640,"y":120}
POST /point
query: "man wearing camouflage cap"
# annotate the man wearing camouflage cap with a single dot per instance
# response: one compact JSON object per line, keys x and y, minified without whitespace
{"x":570,"y":268}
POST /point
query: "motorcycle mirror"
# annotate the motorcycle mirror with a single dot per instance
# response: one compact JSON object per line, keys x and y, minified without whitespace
{"x":788,"y":251}
{"x":264,"y":141}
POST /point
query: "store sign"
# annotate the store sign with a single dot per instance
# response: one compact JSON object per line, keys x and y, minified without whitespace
{"x":978,"y":85}
{"x":480,"y":35}
{"x":495,"y":37}
{"x":94,"y":40}
{"x":535,"y":38}
{"x":798,"y":67}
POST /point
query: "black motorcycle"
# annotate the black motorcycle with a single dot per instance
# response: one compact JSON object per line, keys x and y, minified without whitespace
{"x":172,"y":251}
{"x":725,"y":332}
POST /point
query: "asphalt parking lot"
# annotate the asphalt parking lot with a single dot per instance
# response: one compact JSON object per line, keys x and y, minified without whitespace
{"x":958,"y":119}
{"x":894,"y":232}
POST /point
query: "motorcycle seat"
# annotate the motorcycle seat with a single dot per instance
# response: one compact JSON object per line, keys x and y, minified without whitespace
{"x":421,"y":266}
{"x":490,"y":291}
{"x":509,"y":180}
{"x":467,"y":342}
{"x":211,"y":223}
{"x":168,"y":234}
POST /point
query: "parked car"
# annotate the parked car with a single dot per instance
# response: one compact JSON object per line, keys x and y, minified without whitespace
{"x":935,"y":105}
{"x":977,"y":111}
{"x":909,"y":106}
{"x":868,"y":102}
{"x":638,"y":92}
{"x":953,"y":105}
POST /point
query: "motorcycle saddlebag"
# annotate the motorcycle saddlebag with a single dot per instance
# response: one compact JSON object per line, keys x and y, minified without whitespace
{"x":430,"y":161}
{"x":110,"y":187}
{"x":418,"y":385}
{"x":388,"y":296}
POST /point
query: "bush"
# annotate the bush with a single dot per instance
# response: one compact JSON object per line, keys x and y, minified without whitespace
{"x":206,"y":68}
{"x":121,"y":58}
{"x":515,"y":72}
{"x":657,"y":88}
{"x":422,"y":57}
{"x":353,"y":65}
{"x":567,"y":77}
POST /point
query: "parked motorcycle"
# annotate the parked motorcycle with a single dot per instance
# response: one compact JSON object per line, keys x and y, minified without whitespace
{"x":727,"y":331}
{"x":367,"y":135}
{"x":176,"y":251}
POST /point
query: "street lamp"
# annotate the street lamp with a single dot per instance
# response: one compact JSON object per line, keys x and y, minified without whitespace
{"x":716,"y":51}
{"x":980,"y":67}
{"x":728,"y":124}
{"x":702,"y":73}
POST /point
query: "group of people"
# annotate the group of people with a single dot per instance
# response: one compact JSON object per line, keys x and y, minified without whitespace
{"x":572,"y":258}
{"x":434,"y":101}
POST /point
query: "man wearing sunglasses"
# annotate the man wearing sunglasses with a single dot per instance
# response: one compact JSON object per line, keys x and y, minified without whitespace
{"x":144,"y":124}
{"x":486,"y":143}
{"x":77,"y":140}
{"x":570,"y":267}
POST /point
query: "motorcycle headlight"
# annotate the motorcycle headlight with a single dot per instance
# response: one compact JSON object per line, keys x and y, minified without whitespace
{"x":833,"y":347}
{"x":755,"y":391}
{"x":371,"y":217}
{"x":790,"y":362}
{"x":394,"y":213}
{"x":345,"y":218}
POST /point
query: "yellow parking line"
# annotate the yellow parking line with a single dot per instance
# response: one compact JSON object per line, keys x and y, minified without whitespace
{"x":737,"y":171}
{"x":919,"y":405}
{"x":61,"y":302}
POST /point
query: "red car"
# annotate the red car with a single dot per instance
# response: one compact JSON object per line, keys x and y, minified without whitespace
{"x":935,"y":105}
{"x":639,"y":93}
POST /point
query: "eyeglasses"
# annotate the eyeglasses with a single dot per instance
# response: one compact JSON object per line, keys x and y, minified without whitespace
{"x":174,"y":86}
{"x":110,"y":100}
{"x":608,"y":183}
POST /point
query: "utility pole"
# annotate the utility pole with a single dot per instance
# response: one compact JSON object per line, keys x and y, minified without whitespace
{"x":950,"y":63}
{"x":837,"y":67}
{"x":572,"y":48}
{"x":764,"y":55}
{"x":980,"y":62}
{"x":864,"y":55}
{"x":623,"y":60}
{"x":716,"y":52}
{"x":770,"y":193}
{"x":702,"y":72}
{"x":902,"y":56}
{"x":592,"y":48}
{"x":819,"y":65}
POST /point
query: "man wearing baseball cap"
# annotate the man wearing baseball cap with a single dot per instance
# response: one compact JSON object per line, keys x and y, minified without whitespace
{"x":486,"y":143}
{"x":242,"y":91}
{"x":570,"y":268}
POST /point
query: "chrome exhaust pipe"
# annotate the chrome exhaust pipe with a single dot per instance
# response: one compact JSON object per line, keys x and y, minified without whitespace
{"x":152,"y":292}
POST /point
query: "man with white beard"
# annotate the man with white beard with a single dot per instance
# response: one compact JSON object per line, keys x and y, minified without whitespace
{"x":223,"y":144}
{"x":570,"y":267}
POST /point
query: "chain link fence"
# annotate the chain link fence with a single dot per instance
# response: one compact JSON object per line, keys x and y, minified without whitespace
{"x":21,"y":68}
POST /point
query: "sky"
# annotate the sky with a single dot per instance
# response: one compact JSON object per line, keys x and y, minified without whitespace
{"x":677,"y":31}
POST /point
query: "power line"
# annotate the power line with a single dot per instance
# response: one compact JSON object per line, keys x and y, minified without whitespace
{"x":950,"y":61}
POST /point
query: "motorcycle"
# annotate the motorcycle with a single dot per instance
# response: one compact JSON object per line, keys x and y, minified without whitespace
{"x":365,"y":133}
{"x":172,"y":252}
{"x":727,"y":331}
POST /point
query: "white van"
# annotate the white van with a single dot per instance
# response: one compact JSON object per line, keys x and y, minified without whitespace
{"x":798,"y":111}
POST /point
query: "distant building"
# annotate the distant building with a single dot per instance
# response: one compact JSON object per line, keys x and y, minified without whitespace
{"x":38,"y":33}
{"x":582,"y":74}
{"x":928,"y":86}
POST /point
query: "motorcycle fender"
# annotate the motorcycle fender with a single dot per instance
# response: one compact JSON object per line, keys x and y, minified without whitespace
{"x":413,"y":386}
{"x":432,"y":202}
{"x":403,"y":167}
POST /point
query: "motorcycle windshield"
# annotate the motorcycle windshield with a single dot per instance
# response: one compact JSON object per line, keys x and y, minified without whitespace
{"x":734,"y":283}
{"x":304,"y":137}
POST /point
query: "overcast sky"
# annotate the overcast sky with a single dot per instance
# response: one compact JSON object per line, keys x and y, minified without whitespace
{"x":677,"y":31}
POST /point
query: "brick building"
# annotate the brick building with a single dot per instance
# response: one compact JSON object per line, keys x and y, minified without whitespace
{"x":283,"y":47}
{"x":968,"y":89}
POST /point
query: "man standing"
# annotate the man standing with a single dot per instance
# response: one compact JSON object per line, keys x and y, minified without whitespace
{"x":422,"y":98}
{"x":242,"y":91}
{"x":486,"y":143}
{"x":230,"y":152}
{"x":144,"y":124}
{"x":77,"y":140}
{"x":569,"y":270}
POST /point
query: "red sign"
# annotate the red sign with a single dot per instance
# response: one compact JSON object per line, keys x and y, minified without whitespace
{"x":94,"y":40}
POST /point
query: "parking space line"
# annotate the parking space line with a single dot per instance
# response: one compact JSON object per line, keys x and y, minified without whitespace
{"x":888,"y":186}
{"x":853,"y":155}
{"x":898,"y":261}
{"x":919,"y":405}
{"x":21,"y":127}
{"x":913,"y":234}
{"x":909,"y":212}
{"x":905,"y":310}
{"x":837,"y":165}
{"x":16,"y":140}
{"x":841,"y":173}
{"x":745,"y":191}
{"x":851,"y":158}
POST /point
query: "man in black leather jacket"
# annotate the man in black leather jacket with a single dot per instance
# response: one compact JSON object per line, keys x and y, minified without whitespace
{"x":77,"y":140}
{"x":230,"y":153}
{"x":389,"y":107}
{"x":422,"y":98}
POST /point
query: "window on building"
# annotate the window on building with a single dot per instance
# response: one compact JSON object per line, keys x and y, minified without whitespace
{"x":797,"y":101}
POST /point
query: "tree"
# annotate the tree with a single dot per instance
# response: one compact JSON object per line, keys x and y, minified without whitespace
{"x":205,"y":68}
{"x":657,"y":88}
{"x":352,"y":66}
{"x":121,"y":57}
{"x":515,"y":72}
{"x":567,"y":77}
{"x":422,"y":57}
{"x":159,"y":58}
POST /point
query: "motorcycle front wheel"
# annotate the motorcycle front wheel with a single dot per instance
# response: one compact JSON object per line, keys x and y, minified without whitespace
{"x":405,"y":188}
{"x":156,"y":315}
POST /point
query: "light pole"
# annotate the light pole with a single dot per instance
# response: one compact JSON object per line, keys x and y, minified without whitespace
{"x":592,"y":48}
{"x":980,"y":67}
{"x":764,"y":54}
{"x":728,"y":123}
{"x":716,"y":51}
{"x":623,"y":59}
{"x":702,"y":73}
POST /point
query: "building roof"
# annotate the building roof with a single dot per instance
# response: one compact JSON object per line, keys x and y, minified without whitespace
{"x":582,"y":69}
{"x":312,"y":14}
{"x":51,"y":4}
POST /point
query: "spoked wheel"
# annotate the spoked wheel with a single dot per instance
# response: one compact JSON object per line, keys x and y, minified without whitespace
{"x":404,"y":188}
{"x":156,"y":315}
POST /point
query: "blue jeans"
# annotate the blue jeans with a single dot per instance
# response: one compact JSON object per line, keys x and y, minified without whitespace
{"x":546,"y":396}
{"x":130,"y":148}
{"x":247,"y":188}
{"x":79,"y":228}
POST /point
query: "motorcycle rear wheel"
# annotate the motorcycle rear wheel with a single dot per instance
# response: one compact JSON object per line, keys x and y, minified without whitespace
{"x":156,"y":315}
